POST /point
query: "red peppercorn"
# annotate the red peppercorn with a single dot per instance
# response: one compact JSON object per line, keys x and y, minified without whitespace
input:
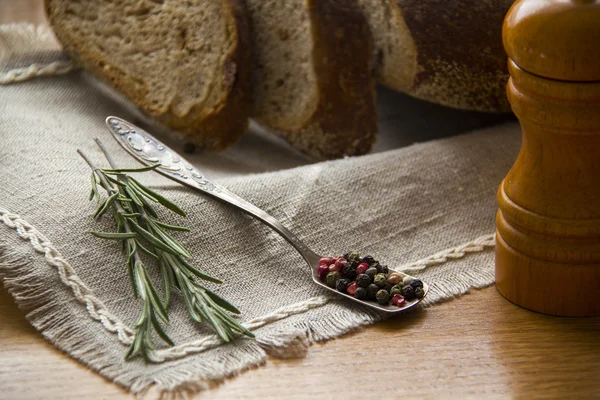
{"x":398,"y":300}
{"x":351,"y":288}
{"x":335,"y":267}
{"x":341,"y":263}
{"x":323,"y":270}
{"x":362,"y":268}
{"x":325,"y":261}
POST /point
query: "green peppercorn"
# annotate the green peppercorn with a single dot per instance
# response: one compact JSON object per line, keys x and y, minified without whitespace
{"x":408,"y":292}
{"x":407,"y":280}
{"x":372,"y":290}
{"x":382,"y":297}
{"x":371,"y":272}
{"x":416,"y":283}
{"x":419,"y":292}
{"x":349,"y":272}
{"x":352,"y":256}
{"x":380,"y":280}
{"x":342,"y":284}
{"x":396,"y":290}
{"x":361,"y":293}
{"x":332,"y":278}
{"x":363,"y":280}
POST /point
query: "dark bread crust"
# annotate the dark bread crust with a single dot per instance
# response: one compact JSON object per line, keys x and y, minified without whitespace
{"x":460,"y":57}
{"x":210,"y":129}
{"x":345,"y":120}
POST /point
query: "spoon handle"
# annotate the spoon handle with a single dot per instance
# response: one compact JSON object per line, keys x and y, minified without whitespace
{"x":149,"y":151}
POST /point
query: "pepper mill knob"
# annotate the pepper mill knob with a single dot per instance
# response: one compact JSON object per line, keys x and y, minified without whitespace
{"x":548,"y":222}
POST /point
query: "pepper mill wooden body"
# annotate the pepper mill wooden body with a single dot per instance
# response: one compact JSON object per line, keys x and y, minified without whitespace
{"x":548,"y":222}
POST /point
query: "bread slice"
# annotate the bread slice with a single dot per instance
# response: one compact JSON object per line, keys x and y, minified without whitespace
{"x":311,"y":74}
{"x":187,"y":64}
{"x":447,"y":52}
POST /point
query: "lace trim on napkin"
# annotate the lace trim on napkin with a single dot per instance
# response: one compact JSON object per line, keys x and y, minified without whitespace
{"x":99,"y":312}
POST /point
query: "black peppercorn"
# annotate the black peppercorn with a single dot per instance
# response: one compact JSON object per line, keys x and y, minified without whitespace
{"x":419,"y":292}
{"x":349,"y":272}
{"x":342,"y":284}
{"x":332,"y":278}
{"x":416,"y":283}
{"x":388,"y":287}
{"x":408,"y":292}
{"x":363,"y":280}
{"x":367,"y":259}
{"x":385,"y":269}
{"x":377,"y":266}
{"x":353,"y":264}
{"x":382,"y":297}
{"x":371,"y":272}
{"x":361,"y":293}
{"x":372,"y":290}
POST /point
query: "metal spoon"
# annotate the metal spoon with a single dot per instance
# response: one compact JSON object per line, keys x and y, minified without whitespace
{"x":149,"y":151}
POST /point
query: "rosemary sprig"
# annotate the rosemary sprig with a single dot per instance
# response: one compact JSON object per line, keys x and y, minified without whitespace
{"x":138,"y":225}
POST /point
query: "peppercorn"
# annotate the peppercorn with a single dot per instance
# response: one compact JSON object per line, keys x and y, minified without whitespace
{"x":398,"y":300}
{"x":360,"y":293}
{"x":341,"y":263}
{"x":367,"y":259}
{"x":351,"y":289}
{"x":342,"y":284}
{"x":362,"y":268}
{"x":363,"y":280}
{"x":372,"y":290}
{"x":376,"y":265}
{"x":380,"y":280}
{"x":352,"y":256}
{"x":416,"y":283}
{"x":332,"y":278}
{"x":349,"y":272}
{"x":388,"y":287}
{"x":394,"y":278}
{"x":335,"y":267}
{"x":407,"y":280}
{"x":323,"y":270}
{"x":408,"y":292}
{"x":419,"y":292}
{"x":353,"y":264}
{"x":396,"y":290}
{"x":382,"y":297}
{"x":371,"y":272}
{"x":385,"y":269}
{"x":326,"y":261}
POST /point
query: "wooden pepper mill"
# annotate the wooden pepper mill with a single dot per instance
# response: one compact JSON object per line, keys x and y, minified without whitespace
{"x":548,"y":222}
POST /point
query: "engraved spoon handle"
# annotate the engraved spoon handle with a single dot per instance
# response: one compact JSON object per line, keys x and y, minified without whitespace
{"x":149,"y":151}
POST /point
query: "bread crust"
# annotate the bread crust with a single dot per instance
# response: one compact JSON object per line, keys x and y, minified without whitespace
{"x":213,"y":128}
{"x":345,"y":117}
{"x":460,"y":59}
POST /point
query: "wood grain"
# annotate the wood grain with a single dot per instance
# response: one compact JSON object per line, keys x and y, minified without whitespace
{"x":477,"y":346}
{"x":549,"y":203}
{"x":480,"y":345}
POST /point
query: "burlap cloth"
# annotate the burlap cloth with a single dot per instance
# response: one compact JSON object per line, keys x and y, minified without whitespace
{"x":433,"y":201}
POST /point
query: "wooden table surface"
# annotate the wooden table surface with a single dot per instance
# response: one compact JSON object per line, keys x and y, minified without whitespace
{"x":478,"y":346}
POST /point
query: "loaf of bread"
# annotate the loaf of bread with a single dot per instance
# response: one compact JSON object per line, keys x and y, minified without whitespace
{"x":311,"y":75}
{"x":447,"y":52}
{"x":187,"y":64}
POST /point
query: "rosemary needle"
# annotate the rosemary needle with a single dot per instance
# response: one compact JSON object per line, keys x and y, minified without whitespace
{"x":140,"y":230}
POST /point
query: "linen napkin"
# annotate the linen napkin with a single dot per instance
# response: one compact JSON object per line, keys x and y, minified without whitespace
{"x":427,"y":209}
